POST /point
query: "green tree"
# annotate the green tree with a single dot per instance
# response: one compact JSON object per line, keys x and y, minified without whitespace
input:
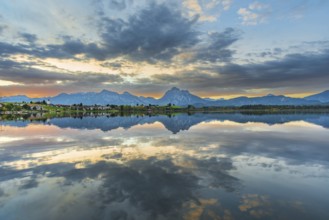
{"x":26,"y":107}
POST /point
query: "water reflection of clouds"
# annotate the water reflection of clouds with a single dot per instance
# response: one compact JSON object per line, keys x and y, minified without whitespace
{"x":264,"y":207}
{"x":147,"y":174}
{"x":155,"y":187}
{"x":294,"y":147}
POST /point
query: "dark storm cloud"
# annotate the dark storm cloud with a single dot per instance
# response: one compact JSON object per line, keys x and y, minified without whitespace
{"x":72,"y":47}
{"x":8,"y":49}
{"x":7,"y":64}
{"x":302,"y":70}
{"x":54,"y":51}
{"x":67,"y":50}
{"x":299,"y":71}
{"x":154,"y":33}
{"x":157,"y":32}
{"x":22,"y":73}
{"x":31,"y":76}
{"x":292,"y":70}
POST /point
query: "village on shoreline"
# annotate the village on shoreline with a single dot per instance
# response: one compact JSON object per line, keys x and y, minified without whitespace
{"x":45,"y":107}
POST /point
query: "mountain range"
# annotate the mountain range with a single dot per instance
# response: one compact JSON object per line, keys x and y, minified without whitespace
{"x":174,"y":96}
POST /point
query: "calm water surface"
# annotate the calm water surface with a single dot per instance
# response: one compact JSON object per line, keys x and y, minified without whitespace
{"x":203,"y":166}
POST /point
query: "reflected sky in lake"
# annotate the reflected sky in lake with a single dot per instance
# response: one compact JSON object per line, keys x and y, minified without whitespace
{"x":203,"y":166}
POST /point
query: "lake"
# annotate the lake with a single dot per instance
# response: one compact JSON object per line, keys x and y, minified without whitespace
{"x":200,"y":166}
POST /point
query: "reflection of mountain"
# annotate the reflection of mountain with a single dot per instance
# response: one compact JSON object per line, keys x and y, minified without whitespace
{"x":175,"y":123}
{"x":183,"y":121}
{"x":14,"y":123}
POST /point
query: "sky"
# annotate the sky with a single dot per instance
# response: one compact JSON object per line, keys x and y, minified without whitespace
{"x":213,"y":48}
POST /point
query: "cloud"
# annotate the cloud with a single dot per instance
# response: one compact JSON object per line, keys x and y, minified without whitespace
{"x":113,"y":65}
{"x":162,"y":35}
{"x":54,"y":51}
{"x":208,"y":10}
{"x":159,"y":187}
{"x":30,"y":183}
{"x":217,"y":49}
{"x":303,"y":71}
{"x":227,"y":4}
{"x":293,"y":72}
{"x":257,"y":6}
{"x":157,"y":32}
{"x":154,"y":33}
{"x":298,"y":10}
{"x":24,"y":73}
{"x":119,"y":4}
{"x":152,"y":187}
{"x":193,"y":5}
{"x":8,"y":49}
{"x":30,"y":38}
{"x":211,"y":4}
{"x":254,"y":14}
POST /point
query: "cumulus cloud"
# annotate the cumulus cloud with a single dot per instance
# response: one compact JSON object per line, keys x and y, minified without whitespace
{"x":155,"y":33}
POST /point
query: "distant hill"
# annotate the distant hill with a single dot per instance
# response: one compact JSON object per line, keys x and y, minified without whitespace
{"x":18,"y":98}
{"x":174,"y":96}
{"x":266,"y":100}
{"x":321,"y":97}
